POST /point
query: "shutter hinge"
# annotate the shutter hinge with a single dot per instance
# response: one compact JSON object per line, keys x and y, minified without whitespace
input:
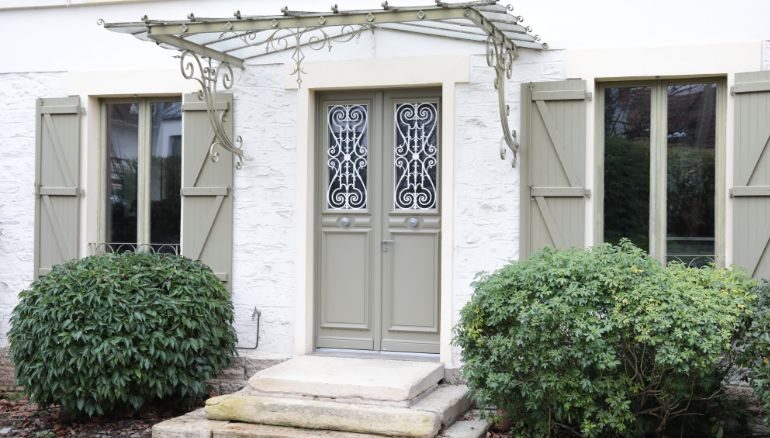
{"x":588,"y":193}
{"x":732,"y":91}
{"x":589,"y":96}
{"x":730,"y":192}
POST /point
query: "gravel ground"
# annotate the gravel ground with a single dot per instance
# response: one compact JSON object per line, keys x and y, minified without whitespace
{"x":21,"y":418}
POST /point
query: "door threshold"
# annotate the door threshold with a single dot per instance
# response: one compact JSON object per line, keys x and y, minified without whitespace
{"x":368,"y":354}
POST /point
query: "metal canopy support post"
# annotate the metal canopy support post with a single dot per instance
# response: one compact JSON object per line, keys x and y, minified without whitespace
{"x":233,"y":41}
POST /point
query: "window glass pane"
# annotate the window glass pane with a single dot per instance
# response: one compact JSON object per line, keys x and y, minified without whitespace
{"x":690,"y":176}
{"x":415,"y":156}
{"x":165,"y":173}
{"x":122,"y":164}
{"x":627,"y":165}
{"x":347,"y":157}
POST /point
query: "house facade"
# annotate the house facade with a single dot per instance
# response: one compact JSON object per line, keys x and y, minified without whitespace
{"x":371,"y":189}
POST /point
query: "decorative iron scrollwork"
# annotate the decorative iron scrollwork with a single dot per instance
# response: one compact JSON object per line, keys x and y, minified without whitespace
{"x":501,"y":57}
{"x":209,"y":77}
{"x":314,"y":37}
{"x":415,"y":156}
{"x":347,"y":157}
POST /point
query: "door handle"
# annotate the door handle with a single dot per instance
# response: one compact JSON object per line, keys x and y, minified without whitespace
{"x":386,"y":245}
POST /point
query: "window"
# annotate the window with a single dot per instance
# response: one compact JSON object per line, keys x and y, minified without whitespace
{"x":660,"y":143}
{"x":143,"y":150}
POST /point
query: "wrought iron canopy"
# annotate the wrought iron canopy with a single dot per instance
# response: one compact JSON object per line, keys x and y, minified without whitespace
{"x":236,"y":40}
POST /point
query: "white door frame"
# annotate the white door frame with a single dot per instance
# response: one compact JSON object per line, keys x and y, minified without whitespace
{"x":442,"y":71}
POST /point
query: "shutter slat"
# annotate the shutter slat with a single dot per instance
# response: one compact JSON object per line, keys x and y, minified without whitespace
{"x":556,"y":141}
{"x":751,"y":181}
{"x":550,"y":222}
{"x":60,"y":109}
{"x":749,"y":191}
{"x":58,"y":191}
{"x":559,"y":95}
{"x":57,"y":178}
{"x":553,"y":151}
{"x":207,"y":201}
{"x":559,"y":192}
{"x":205,"y":191}
{"x":751,"y":87}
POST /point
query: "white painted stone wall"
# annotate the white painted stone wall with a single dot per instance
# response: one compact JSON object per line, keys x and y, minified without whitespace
{"x":18,"y":94}
{"x":487,"y":189}
{"x":766,"y":55}
{"x":264,"y":220}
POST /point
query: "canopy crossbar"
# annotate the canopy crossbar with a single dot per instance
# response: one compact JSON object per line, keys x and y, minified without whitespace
{"x":234,"y":41}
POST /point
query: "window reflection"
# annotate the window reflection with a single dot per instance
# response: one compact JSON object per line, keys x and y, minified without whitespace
{"x":690,"y":173}
{"x":165,"y":174}
{"x":627,"y":165}
{"x":122,"y":167}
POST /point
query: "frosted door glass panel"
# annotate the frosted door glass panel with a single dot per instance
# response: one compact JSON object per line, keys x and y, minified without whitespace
{"x":165,"y":173}
{"x":690,"y":158}
{"x":627,"y":165}
{"x":415,"y":156}
{"x":347,"y":157}
{"x":122,"y":166}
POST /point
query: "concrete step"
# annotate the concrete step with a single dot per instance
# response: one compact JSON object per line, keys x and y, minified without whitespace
{"x":325,"y":415}
{"x":369,"y":381}
{"x":196,"y":425}
{"x":438,"y":408}
{"x":330,"y":397}
{"x":470,"y":425}
{"x":446,"y":401}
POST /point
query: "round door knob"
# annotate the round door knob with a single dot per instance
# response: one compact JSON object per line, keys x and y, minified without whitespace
{"x":413,"y":222}
{"x":345,"y":222}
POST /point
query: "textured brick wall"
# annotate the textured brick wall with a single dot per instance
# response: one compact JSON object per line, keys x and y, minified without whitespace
{"x":18,"y":93}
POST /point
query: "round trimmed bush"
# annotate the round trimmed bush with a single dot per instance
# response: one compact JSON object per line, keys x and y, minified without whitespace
{"x":605,"y":341}
{"x":119,"y":330}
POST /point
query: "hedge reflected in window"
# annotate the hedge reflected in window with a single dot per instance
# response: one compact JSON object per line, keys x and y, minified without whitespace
{"x":690,"y":157}
{"x":165,"y":172}
{"x":627,"y":165}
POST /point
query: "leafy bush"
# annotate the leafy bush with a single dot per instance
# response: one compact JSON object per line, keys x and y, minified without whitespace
{"x":602,"y":340}
{"x":119,"y":330}
{"x":755,"y":347}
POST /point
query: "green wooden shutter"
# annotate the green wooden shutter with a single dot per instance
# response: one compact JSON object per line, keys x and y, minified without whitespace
{"x":207,"y":201}
{"x":57,"y":182}
{"x":751,"y":173}
{"x":553,"y":157}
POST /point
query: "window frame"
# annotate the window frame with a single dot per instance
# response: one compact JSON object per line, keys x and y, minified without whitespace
{"x":143,"y":169}
{"x":658,"y":159}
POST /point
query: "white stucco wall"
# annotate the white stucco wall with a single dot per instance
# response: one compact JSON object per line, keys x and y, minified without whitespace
{"x":486,"y":231}
{"x":18,"y":94}
{"x":766,"y":55}
{"x":264,"y":239}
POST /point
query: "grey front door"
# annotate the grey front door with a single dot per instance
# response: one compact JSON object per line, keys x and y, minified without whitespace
{"x":378,"y":221}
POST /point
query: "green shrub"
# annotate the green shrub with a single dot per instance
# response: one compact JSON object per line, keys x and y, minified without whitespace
{"x":119,"y":330}
{"x":602,"y":340}
{"x":756,"y":348}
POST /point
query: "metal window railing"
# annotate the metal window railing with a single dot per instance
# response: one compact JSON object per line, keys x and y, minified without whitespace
{"x":110,"y":247}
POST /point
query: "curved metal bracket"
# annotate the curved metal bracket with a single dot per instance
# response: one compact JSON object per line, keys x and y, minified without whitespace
{"x":501,"y":56}
{"x":209,"y":77}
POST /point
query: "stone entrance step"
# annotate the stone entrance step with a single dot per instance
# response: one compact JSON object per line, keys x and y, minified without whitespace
{"x":369,"y":381}
{"x":333,"y":397}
